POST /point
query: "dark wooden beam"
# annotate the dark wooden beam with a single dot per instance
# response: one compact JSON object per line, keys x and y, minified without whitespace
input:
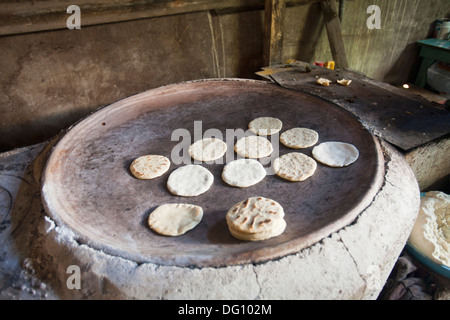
{"x":24,"y":16}
{"x":333,"y":26}
{"x":273,"y":31}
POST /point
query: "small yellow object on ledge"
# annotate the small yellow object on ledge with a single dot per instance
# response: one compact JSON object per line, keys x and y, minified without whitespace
{"x":329,"y":65}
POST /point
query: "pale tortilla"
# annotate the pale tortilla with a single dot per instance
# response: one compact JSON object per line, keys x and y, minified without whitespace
{"x":253,"y":147}
{"x":335,"y":154}
{"x":243,"y":173}
{"x":190,"y":180}
{"x":265,"y":126}
{"x":207,"y":149}
{"x":298,"y":138}
{"x":294,"y":166}
{"x":175,"y":219}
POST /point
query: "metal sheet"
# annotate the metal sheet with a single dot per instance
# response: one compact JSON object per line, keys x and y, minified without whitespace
{"x":87,"y":185}
{"x":405,"y":120}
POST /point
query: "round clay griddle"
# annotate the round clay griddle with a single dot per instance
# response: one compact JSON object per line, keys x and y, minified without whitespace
{"x":87,"y":185}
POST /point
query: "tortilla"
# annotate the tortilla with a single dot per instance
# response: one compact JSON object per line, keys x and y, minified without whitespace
{"x":243,"y":173}
{"x":207,"y":149}
{"x":265,"y":126}
{"x":175,"y":219}
{"x":256,"y":218}
{"x":149,"y":166}
{"x":253,"y":147}
{"x":335,"y":154}
{"x":294,"y":166}
{"x":190,"y":180}
{"x":299,"y":138}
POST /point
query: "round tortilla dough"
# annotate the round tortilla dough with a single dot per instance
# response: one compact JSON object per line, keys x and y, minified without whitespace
{"x":335,"y":154}
{"x":265,"y":126}
{"x":190,"y":180}
{"x":298,"y":138}
{"x":256,"y":218}
{"x":294,"y":166}
{"x":207,"y":149}
{"x":243,"y":173}
{"x":174,"y":219}
{"x":253,"y":147}
{"x":149,"y":166}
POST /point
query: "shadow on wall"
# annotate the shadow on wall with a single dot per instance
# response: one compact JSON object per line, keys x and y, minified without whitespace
{"x":407,"y":65}
{"x":30,"y":132}
{"x":250,"y":44}
{"x":310,"y":36}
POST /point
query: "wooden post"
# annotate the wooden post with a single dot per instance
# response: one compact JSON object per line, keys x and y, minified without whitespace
{"x":273,"y":31}
{"x":334,"y":33}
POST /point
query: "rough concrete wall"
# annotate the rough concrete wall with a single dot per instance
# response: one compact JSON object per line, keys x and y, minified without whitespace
{"x":49,"y":80}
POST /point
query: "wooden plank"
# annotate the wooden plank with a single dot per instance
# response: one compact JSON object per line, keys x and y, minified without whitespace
{"x":23,"y":17}
{"x":334,"y":33}
{"x":273,"y":31}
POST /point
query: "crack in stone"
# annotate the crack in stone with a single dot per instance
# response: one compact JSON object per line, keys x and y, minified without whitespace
{"x":367,"y":277}
{"x":258,"y":296}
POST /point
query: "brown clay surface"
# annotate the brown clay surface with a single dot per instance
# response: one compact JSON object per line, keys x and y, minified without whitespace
{"x":87,"y":185}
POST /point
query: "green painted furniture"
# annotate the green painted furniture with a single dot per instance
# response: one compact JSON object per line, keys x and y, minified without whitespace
{"x":431,"y":50}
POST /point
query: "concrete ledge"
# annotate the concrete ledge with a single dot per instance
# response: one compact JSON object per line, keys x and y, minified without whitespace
{"x":430,"y":163}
